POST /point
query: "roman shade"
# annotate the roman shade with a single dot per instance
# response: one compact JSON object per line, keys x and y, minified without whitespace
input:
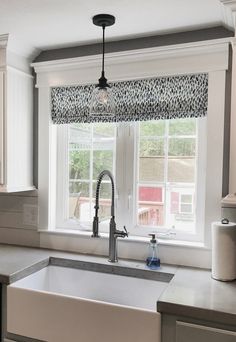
{"x":136,"y":100}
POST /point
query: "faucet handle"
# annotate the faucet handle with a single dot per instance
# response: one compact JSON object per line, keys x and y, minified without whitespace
{"x":126,"y":233}
{"x":121,"y":233}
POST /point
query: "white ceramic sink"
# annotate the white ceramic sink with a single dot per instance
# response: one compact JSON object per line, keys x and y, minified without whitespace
{"x":59,"y":304}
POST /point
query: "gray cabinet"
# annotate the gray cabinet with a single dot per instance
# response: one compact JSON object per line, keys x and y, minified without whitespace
{"x":189,"y":329}
{"x":186,"y":332}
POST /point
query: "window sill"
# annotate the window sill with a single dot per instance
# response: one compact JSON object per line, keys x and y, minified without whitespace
{"x":171,"y":252}
{"x":131,"y":238}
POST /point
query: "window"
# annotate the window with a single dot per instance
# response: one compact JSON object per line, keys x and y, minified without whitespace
{"x":210,"y":159}
{"x":167,"y":166}
{"x":89,"y":149}
{"x":155,"y":165}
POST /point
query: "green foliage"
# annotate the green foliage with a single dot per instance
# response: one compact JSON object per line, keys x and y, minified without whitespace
{"x":150,"y":147}
{"x":79,"y":164}
{"x":102,"y":160}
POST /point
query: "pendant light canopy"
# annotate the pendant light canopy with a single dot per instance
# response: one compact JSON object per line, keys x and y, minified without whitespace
{"x":102,"y":101}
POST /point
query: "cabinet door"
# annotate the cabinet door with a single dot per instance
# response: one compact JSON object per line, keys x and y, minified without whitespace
{"x":186,"y":332}
{"x":1,"y":127}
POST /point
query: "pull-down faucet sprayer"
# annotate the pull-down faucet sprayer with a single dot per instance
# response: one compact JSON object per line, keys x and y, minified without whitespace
{"x":114,"y":233}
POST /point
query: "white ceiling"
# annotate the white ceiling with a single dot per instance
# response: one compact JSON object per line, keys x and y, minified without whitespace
{"x":36,"y":25}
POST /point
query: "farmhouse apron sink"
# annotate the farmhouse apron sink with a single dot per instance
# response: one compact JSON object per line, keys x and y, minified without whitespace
{"x":61,"y":304}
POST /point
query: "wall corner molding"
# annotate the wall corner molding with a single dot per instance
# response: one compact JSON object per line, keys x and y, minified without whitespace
{"x":229,"y":13}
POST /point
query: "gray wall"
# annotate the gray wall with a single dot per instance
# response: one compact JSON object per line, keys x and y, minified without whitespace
{"x":14,"y":228}
{"x":225,"y":185}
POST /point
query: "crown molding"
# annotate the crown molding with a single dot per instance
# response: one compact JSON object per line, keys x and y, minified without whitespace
{"x":207,"y":56}
{"x":186,"y":49}
{"x":229,"y":12}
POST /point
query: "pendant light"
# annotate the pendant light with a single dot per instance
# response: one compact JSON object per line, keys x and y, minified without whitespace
{"x":102,"y":101}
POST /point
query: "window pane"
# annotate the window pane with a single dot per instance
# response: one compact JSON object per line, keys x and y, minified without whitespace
{"x":102,"y":160}
{"x":151,"y":161}
{"x":81,"y":188}
{"x":79,"y":206}
{"x":104,"y":130}
{"x":91,"y":150}
{"x":79,"y":164}
{"x":152,"y":128}
{"x":179,"y":215}
{"x":79,"y":136}
{"x":167,"y":170}
{"x":182,"y":147}
{"x":186,"y":208}
{"x":149,"y":147}
{"x":151,"y":169}
{"x":182,"y":127}
{"x":186,"y":198}
{"x":150,"y":206}
{"x":181,"y":170}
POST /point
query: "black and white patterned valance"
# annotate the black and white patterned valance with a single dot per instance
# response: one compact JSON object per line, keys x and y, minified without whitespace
{"x":136,"y":100}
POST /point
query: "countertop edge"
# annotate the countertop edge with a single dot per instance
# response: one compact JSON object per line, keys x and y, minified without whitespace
{"x":196,"y":312}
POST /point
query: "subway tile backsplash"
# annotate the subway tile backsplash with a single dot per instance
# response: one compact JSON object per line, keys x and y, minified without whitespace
{"x":19,"y":218}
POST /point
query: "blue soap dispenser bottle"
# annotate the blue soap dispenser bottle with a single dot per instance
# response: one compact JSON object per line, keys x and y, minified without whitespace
{"x":153,"y":261}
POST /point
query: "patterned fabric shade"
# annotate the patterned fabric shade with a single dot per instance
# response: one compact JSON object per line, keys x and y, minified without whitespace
{"x":136,"y":100}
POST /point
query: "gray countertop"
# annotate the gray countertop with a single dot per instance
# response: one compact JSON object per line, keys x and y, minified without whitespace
{"x":191,"y":292}
{"x":17,"y":262}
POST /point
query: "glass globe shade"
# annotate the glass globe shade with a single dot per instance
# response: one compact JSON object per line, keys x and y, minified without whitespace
{"x":102,"y":103}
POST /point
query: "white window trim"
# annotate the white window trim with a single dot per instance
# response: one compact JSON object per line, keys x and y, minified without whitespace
{"x":209,"y":56}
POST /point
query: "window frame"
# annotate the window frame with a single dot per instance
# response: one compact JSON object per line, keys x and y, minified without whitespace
{"x":126,"y":186}
{"x":62,"y":188}
{"x":131,"y":195}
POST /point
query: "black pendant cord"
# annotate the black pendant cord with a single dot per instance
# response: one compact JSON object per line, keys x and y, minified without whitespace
{"x":102,"y":82}
{"x":103,"y":20}
{"x":103,"y":49}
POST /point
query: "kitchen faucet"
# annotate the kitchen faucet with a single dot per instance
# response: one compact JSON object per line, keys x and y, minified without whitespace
{"x":114,"y":233}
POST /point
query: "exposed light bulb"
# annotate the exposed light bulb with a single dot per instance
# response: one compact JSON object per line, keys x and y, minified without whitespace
{"x":102,"y":96}
{"x":102,"y":103}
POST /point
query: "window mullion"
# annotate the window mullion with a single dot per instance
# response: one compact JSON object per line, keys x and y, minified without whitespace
{"x":166,"y":168}
{"x":91,"y":170}
{"x":124,"y":174}
{"x":131,"y":170}
{"x":119,"y":171}
{"x":62,"y":175}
